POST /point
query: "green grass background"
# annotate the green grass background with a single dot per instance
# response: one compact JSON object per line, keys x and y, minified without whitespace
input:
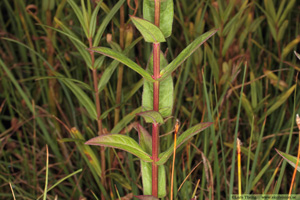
{"x":244,"y":79}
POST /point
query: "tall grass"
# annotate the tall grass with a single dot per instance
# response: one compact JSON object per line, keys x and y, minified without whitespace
{"x":47,"y":96}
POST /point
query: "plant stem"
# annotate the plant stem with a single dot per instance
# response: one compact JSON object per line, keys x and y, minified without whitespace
{"x":121,"y":67}
{"x":96,"y":91}
{"x":155,"y":127}
{"x":98,"y":109}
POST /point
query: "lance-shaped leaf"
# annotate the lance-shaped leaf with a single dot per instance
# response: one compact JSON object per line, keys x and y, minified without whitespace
{"x":292,"y":160}
{"x":186,"y":53}
{"x":150,"y":32}
{"x":120,"y":142}
{"x":106,"y":20}
{"x":289,"y":47}
{"x":286,"y":11}
{"x":82,"y":97}
{"x":145,"y":138}
{"x":166,"y":90}
{"x":166,"y":15}
{"x":123,"y":59}
{"x":93,"y":21}
{"x":121,"y":124}
{"x":113,"y":65}
{"x":146,"y":197}
{"x":163,"y":157}
{"x":80,"y":46}
{"x":278,"y":102}
{"x":152,"y":116}
{"x":88,"y":154}
{"x":79,"y":15}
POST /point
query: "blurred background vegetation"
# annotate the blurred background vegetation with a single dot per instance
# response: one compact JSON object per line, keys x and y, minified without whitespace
{"x":45,"y":80}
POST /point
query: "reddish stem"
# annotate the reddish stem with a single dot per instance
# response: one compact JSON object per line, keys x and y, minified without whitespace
{"x":155,"y":127}
{"x":155,"y":142}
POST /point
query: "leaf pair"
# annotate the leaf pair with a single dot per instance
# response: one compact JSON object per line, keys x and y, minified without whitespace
{"x":142,"y":151}
{"x":168,"y":69}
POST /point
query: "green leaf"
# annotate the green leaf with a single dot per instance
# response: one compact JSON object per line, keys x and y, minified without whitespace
{"x":115,"y":46}
{"x":120,"y":142}
{"x":186,"y":53}
{"x":228,"y":10}
{"x":282,"y":29}
{"x":279,"y":101}
{"x":107,"y":74}
{"x":272,"y":28}
{"x":286,"y":11}
{"x":270,"y":21}
{"x":229,"y":39}
{"x":166,"y":15}
{"x":216,"y":16}
{"x":59,"y":76}
{"x":87,"y":153}
{"x":145,"y":141}
{"x":163,"y":157}
{"x":80,"y":46}
{"x":105,"y":22}
{"x":150,"y":32}
{"x":237,"y":19}
{"x":279,"y":12}
{"x":263,"y":171}
{"x":66,"y":32}
{"x":247,"y":106}
{"x":119,"y":179}
{"x":111,"y":68}
{"x":152,"y":116}
{"x":125,"y":120}
{"x":289,"y":47}
{"x":134,"y":89}
{"x":240,"y":20}
{"x":90,"y":158}
{"x":212,"y":62}
{"x":93,"y":21}
{"x":166,"y":90}
{"x":270,"y":8}
{"x":99,"y":62}
{"x":256,"y":23}
{"x":292,"y":160}
{"x":81,"y":96}
{"x":146,"y":169}
{"x":85,"y":15}
{"x":79,"y":15}
{"x":145,"y":138}
{"x":123,"y":59}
